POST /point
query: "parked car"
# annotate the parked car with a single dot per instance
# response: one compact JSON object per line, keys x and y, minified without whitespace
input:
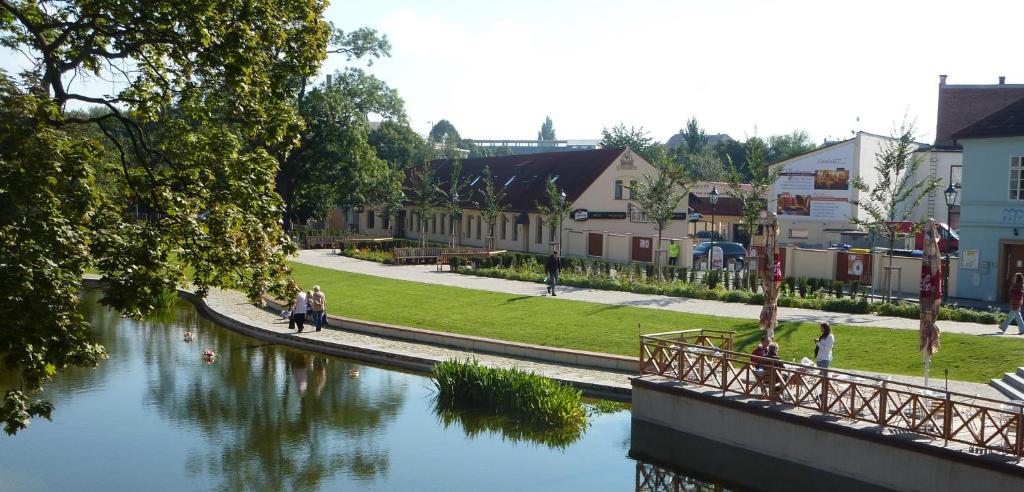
{"x":733,"y":254}
{"x":949,"y":239}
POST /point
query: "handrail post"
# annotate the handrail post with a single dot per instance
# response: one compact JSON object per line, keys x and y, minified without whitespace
{"x":1020,"y":432}
{"x":883,"y":403}
{"x":823,"y":405}
{"x":947,"y":417}
{"x":725,"y":371}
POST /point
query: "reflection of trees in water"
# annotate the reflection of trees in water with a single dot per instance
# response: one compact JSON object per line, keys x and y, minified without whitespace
{"x":474,"y":423}
{"x":260,"y":427}
{"x":654,"y":478}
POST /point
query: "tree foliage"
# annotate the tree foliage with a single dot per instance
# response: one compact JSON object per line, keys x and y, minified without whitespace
{"x":752,"y":200}
{"x":782,"y":147}
{"x":547,"y":130}
{"x":694,"y":137}
{"x":637,"y":139}
{"x":658,"y":196}
{"x":895,"y":193}
{"x":454,"y":194}
{"x":182,"y":179}
{"x":335,"y":163}
{"x":490,"y":201}
{"x":425,"y":195}
{"x":555,"y":206}
{"x":400,"y":146}
{"x":444,"y":132}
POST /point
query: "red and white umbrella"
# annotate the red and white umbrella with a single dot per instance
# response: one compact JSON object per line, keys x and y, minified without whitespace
{"x":930,"y":295}
{"x":771,"y":275}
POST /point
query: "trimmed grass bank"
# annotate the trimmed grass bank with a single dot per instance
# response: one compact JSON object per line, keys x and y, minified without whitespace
{"x":615,"y":329}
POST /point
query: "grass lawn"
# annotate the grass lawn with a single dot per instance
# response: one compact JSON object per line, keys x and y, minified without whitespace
{"x":615,"y":329}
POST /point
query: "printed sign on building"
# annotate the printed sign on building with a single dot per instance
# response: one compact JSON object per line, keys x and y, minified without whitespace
{"x":816,"y":187}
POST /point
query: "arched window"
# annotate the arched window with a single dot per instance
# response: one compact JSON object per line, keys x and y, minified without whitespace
{"x":539,"y":236}
{"x":504,"y":223}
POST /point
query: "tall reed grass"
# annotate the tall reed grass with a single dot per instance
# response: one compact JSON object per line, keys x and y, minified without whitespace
{"x":523,"y":395}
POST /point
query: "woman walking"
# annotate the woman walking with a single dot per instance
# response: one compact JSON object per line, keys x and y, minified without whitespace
{"x":1016,"y":299}
{"x":823,"y":346}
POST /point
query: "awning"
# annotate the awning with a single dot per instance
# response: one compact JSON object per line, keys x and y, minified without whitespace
{"x":523,"y":218}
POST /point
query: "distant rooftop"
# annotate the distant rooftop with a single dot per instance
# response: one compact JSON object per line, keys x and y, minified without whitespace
{"x":962,"y":105}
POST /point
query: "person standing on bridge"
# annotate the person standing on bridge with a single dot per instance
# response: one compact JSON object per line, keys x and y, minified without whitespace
{"x":552,"y":267}
{"x":823,"y":346}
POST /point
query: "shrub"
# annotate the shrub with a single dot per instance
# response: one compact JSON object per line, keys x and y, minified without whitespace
{"x":849,"y":305}
{"x":524,"y":395}
{"x":712,"y":278}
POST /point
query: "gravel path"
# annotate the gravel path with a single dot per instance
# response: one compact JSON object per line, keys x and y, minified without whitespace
{"x":429,"y":274}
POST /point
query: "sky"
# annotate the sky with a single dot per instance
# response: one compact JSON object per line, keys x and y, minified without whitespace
{"x":765,"y":67}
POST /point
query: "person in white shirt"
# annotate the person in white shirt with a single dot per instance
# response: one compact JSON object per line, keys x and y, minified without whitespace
{"x":298,"y":312}
{"x":823,"y":346}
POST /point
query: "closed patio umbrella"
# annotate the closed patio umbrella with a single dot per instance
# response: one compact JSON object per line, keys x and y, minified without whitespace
{"x":930,"y":295}
{"x":771,"y":275}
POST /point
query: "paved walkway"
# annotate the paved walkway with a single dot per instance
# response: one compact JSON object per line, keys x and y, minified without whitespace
{"x":234,"y":305}
{"x":429,"y":274}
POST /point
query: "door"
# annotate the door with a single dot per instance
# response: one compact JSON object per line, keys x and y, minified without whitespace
{"x":1013,"y":263}
{"x":400,"y":224}
{"x":595,"y":244}
{"x":643,"y":249}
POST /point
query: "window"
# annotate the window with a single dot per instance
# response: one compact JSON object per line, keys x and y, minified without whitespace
{"x":469,"y":226}
{"x":387,"y":221}
{"x":515,"y":231}
{"x":618,"y":189}
{"x":369,"y":219}
{"x":1017,"y":177}
{"x":504,"y":223}
{"x":551,"y":234}
{"x":478,"y":227}
{"x":539,"y":237}
{"x":632,"y":185}
{"x":798,"y":233}
{"x":443,"y":229}
{"x":433,"y":224}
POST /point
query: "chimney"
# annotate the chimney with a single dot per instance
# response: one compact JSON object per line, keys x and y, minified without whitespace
{"x":1002,"y":80}
{"x":942,"y":80}
{"x":328,"y":80}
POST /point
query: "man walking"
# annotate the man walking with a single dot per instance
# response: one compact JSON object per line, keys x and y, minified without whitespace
{"x":552,"y":266}
{"x":318,"y":303}
{"x":298,"y":312}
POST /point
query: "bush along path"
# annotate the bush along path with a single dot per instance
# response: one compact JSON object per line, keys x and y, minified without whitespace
{"x":797,"y":293}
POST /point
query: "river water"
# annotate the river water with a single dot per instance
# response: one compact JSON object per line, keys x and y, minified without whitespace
{"x":158,"y":416}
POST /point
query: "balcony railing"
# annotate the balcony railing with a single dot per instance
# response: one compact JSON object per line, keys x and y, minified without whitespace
{"x":705,"y":359}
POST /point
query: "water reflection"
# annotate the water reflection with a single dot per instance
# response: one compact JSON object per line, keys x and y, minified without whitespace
{"x":475,"y":423}
{"x":655,"y":478}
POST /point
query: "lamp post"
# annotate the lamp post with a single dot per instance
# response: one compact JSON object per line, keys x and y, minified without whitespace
{"x":950,"y":193}
{"x":714,"y":204}
{"x":561,"y":198}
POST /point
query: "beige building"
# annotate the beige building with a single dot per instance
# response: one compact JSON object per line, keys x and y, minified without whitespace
{"x":603,"y":223}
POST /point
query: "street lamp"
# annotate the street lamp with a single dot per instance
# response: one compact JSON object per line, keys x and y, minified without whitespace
{"x":950,"y":193}
{"x":561,"y":198}
{"x":714,"y":205}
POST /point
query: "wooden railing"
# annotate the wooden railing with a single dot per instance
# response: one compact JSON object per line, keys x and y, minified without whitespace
{"x":417,"y":253}
{"x":981,"y":423}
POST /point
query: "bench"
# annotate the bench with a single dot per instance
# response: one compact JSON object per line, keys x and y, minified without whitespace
{"x":430,"y":253}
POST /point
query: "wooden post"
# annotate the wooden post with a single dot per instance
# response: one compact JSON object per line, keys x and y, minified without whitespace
{"x":823,"y":404}
{"x":947,"y":417}
{"x":883,"y":404}
{"x":725,"y":371}
{"x":1020,"y":432}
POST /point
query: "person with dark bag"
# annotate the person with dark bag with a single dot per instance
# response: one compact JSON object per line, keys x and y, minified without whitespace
{"x":1016,"y":300}
{"x":298,"y":312}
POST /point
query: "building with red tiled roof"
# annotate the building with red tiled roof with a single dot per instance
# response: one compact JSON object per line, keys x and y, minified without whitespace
{"x":961,"y":105}
{"x":604,"y":222}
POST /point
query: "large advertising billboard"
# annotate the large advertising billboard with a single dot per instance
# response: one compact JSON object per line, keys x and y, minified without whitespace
{"x":817,"y":186}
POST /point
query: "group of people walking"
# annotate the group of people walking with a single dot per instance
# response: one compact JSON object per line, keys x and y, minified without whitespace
{"x":311,"y":303}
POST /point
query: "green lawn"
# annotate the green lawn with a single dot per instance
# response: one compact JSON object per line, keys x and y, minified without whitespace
{"x":615,"y":329}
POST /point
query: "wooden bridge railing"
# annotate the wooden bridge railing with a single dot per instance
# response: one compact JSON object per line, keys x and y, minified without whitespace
{"x":980,"y":423}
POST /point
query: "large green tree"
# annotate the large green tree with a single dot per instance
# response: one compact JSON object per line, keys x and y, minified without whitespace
{"x":782,"y":147}
{"x":397,"y":143}
{"x":547,"y":130}
{"x":444,"y":132}
{"x":637,"y":139}
{"x":335,"y":164}
{"x":490,"y":202}
{"x":198,"y":98}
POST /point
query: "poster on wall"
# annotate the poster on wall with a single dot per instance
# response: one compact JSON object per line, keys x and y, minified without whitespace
{"x":969,"y":259}
{"x":816,"y":187}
